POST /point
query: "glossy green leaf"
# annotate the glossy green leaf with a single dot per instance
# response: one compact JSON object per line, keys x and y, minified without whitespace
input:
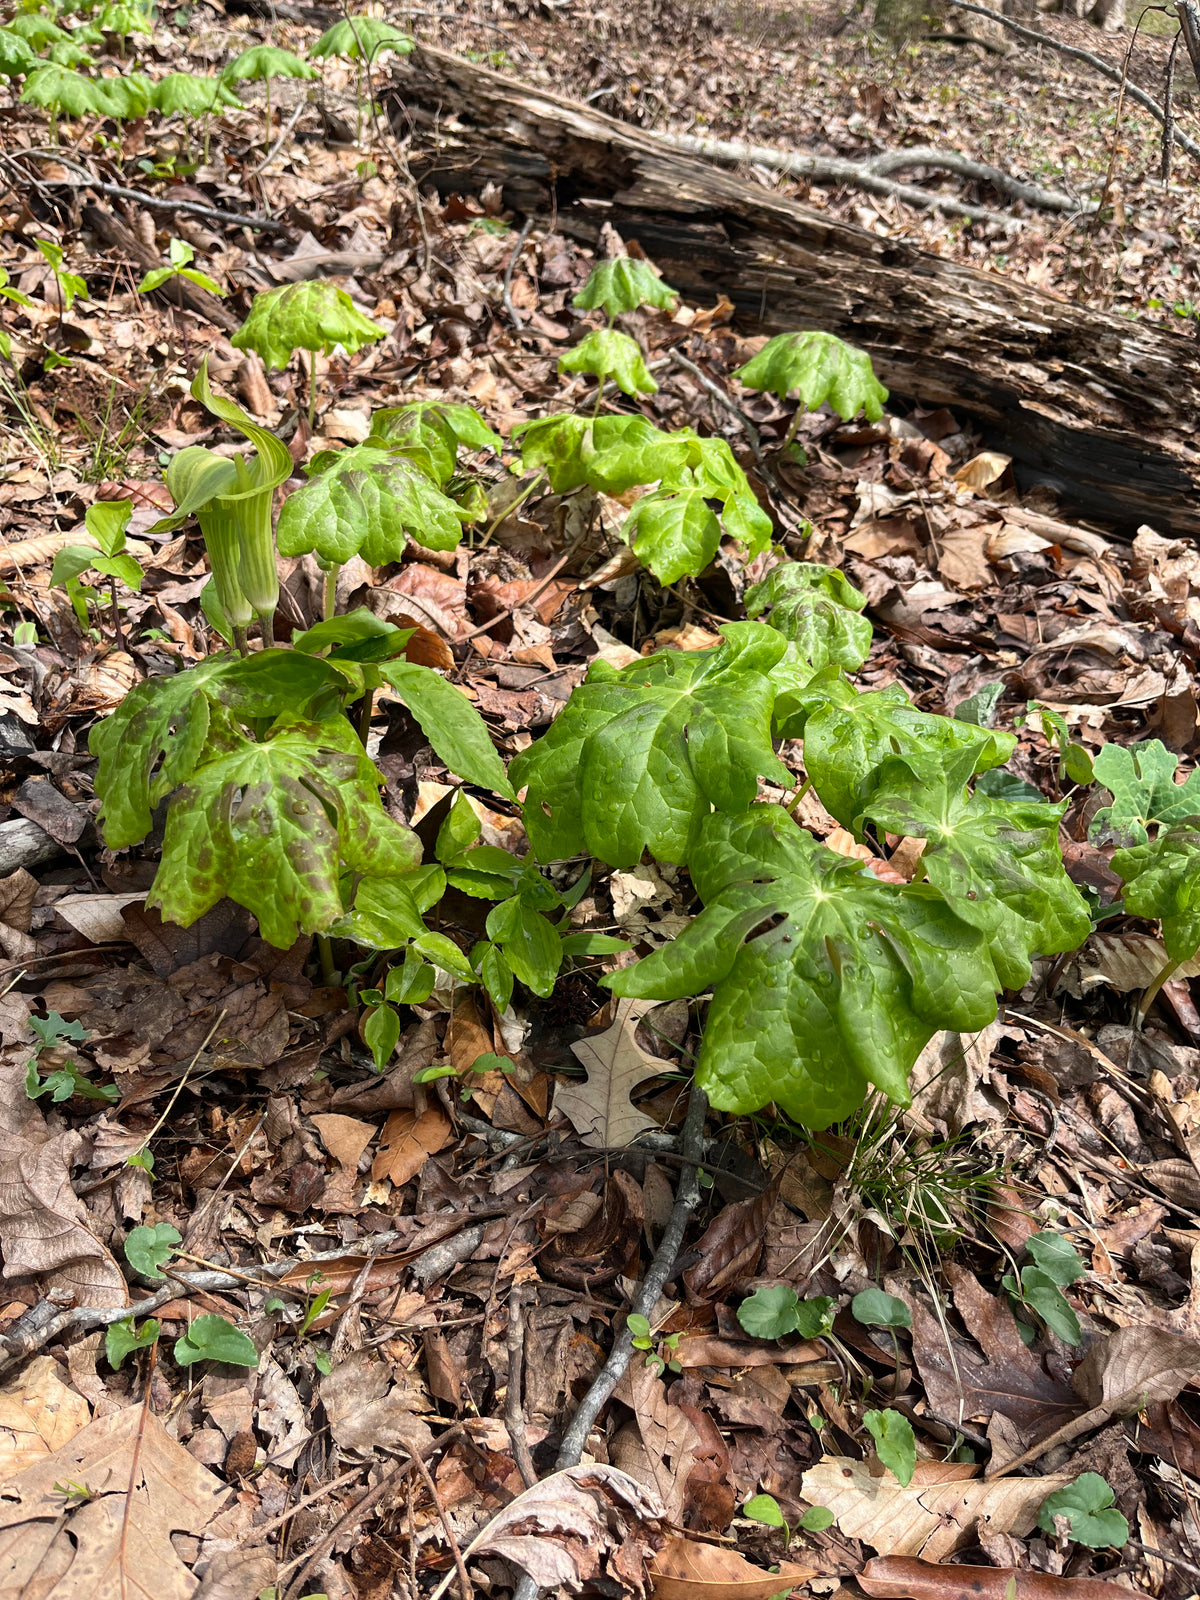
{"x":1087,"y":1504}
{"x":124,"y":1337}
{"x":459,"y":831}
{"x":875,"y":1309}
{"x":608,"y":354}
{"x":262,"y":61}
{"x":304,"y":316}
{"x":825,"y":980}
{"x":895,"y":1442}
{"x":366,"y":501}
{"x":16,"y":56}
{"x":107,"y":521}
{"x":63,"y":91}
{"x":999,"y":864}
{"x":124,"y":568}
{"x":1074,"y":762}
{"x":638,"y":757}
{"x":673,"y":532}
{"x":381,"y":1031}
{"x":69,"y":562}
{"x":451,"y":723}
{"x":764,"y":1508}
{"x":817,"y":609}
{"x":212,"y":1338}
{"x":847,"y":735}
{"x":389,"y":912}
{"x":494,"y":973}
{"x":1141,"y":780}
{"x":1041,"y":1293}
{"x":816,"y":1519}
{"x":622,"y":284}
{"x":269,"y":825}
{"x":411,"y":983}
{"x":819,"y":368}
{"x":147,"y":1248}
{"x":361,"y":38}
{"x":776,"y":1311}
{"x":1162,"y":882}
{"x":125,"y":95}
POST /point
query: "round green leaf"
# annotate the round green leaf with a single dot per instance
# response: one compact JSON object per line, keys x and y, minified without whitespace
{"x":212,"y":1338}
{"x":764,"y":1508}
{"x":1087,"y":1504}
{"x":147,"y":1248}
{"x":875,"y":1309}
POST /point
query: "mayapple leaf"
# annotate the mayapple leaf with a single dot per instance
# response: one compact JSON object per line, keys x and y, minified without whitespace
{"x":68,"y":54}
{"x":16,"y":56}
{"x":361,"y":38}
{"x":366,"y":501}
{"x":451,"y":723}
{"x":998,"y":863}
{"x":63,"y":91}
{"x":623,"y":284}
{"x":847,"y":735}
{"x":817,"y":609}
{"x":611,"y":454}
{"x":262,"y":61}
{"x":608,"y":354}
{"x":1162,"y":882}
{"x":673,"y":532}
{"x":193,"y":94}
{"x":819,"y":368}
{"x":1144,"y":792}
{"x":825,"y":980}
{"x":1087,"y":1504}
{"x":270,"y":824}
{"x":895,"y":1442}
{"x":637,"y":758}
{"x":36,"y":29}
{"x":212,"y":1338}
{"x":431,"y":432}
{"x":125,"y":95}
{"x":304,"y":316}
{"x":147,"y":1248}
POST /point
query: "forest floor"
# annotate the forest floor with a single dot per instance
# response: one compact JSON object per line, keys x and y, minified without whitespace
{"x":433,"y":1271}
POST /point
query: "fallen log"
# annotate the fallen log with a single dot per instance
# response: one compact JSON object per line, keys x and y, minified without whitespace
{"x":1102,"y":409}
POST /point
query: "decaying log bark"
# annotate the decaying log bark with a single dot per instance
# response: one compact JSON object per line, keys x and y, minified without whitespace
{"x":1102,"y":409}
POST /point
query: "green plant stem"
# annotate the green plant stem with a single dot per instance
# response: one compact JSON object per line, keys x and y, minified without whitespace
{"x":116,"y":614}
{"x":791,"y":433}
{"x":312,"y":387}
{"x":790,"y":805}
{"x":266,"y":624}
{"x":600,"y":382}
{"x":267,"y":124}
{"x":331,"y":577}
{"x":329,"y":974}
{"x":1152,"y":993}
{"x":240,"y":639}
{"x":508,"y":510}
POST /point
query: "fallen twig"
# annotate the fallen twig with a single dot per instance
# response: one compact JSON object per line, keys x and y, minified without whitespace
{"x":514,"y":1411}
{"x":506,"y":293}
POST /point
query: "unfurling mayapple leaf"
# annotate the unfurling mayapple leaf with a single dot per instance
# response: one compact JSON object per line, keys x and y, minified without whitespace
{"x":1162,"y":881}
{"x":366,"y":501}
{"x":638,"y":757}
{"x":819,"y":368}
{"x":623,"y":284}
{"x":608,"y":354}
{"x":303,"y":316}
{"x":817,"y":609}
{"x":824,"y":979}
{"x":1144,"y":791}
{"x":430,"y":432}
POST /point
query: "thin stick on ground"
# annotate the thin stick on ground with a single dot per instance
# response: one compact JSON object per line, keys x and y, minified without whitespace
{"x":514,"y":1410}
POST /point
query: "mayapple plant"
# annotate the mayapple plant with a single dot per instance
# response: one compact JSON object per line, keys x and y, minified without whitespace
{"x":262,"y":63}
{"x":361,"y":39}
{"x":820,"y":369}
{"x":313,"y":316}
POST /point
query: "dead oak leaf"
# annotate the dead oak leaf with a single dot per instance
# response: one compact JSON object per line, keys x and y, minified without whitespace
{"x":408,"y":1140}
{"x":929,"y":1519}
{"x":600,"y":1109}
{"x":117,"y":1542}
{"x":686,"y":1570}
{"x":39,"y":1413}
{"x":17,"y":892}
{"x":902,"y":1578}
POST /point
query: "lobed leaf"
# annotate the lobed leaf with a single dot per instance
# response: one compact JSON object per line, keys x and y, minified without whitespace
{"x":623,"y":284}
{"x":361,"y":38}
{"x":1162,"y":882}
{"x":820,"y":369}
{"x":303,"y":316}
{"x":824,"y":979}
{"x":816,"y":608}
{"x":263,"y":61}
{"x":1144,"y":792}
{"x":638,"y":757}
{"x":366,"y":501}
{"x":608,"y":354}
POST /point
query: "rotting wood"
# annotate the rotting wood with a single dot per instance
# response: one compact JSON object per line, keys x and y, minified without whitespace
{"x":1102,"y":409}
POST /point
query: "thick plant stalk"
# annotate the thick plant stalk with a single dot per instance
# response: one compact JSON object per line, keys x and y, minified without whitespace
{"x":219,"y":525}
{"x":257,"y":572}
{"x":331,"y":577}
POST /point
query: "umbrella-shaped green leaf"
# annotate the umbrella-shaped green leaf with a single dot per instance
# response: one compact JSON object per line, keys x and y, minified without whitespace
{"x":125,"y":96}
{"x":271,"y":824}
{"x":674,"y":532}
{"x":623,"y":284}
{"x":609,"y":354}
{"x":361,"y":38}
{"x":1162,"y":881}
{"x":263,"y":61}
{"x":67,"y":53}
{"x":366,"y":501}
{"x":122,"y":19}
{"x":304,"y":316}
{"x":194,"y":94}
{"x":1144,"y":791}
{"x":16,"y":56}
{"x":998,"y":862}
{"x":818,"y":368}
{"x":63,"y":91}
{"x":638,"y":757}
{"x":431,"y":432}
{"x":824,"y":979}
{"x":817,"y":609}
{"x":36,"y":29}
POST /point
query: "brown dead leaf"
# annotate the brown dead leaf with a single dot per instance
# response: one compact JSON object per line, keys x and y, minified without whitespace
{"x":575,"y":1525}
{"x":16,"y":915}
{"x":117,"y":1543}
{"x":600,"y":1109}
{"x":730,"y":1246}
{"x":97,"y":916}
{"x":962,"y":558}
{"x":932,"y":1519}
{"x":39,"y":1414}
{"x":1123,"y":1374}
{"x":407,"y":1141}
{"x":685,"y":1570}
{"x":982,"y":470}
{"x":44,"y":1231}
{"x":345,"y":1138}
{"x":702,"y":1350}
{"x":368,"y":1411}
{"x":903,"y":1578}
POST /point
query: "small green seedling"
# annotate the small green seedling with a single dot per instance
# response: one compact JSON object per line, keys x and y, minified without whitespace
{"x":1074,"y":762}
{"x":65,"y":1076}
{"x":181,"y":254}
{"x":148,"y":1248}
{"x":361,"y":39}
{"x":895,"y":1443}
{"x":213,"y":1338}
{"x":106,"y":521}
{"x":71,"y":286}
{"x":124,"y":1338}
{"x":75,"y":1494}
{"x":610,"y":354}
{"x":643,"y":1339}
{"x":623,"y":284}
{"x":819,"y":369}
{"x":875,"y":1309}
{"x":1040,"y":1286}
{"x":775,"y":1312}
{"x":1087,"y":1507}
{"x":764,"y":1508}
{"x":262,"y":63}
{"x":816,"y":1519}
{"x":8,"y":292}
{"x":313,"y":316}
